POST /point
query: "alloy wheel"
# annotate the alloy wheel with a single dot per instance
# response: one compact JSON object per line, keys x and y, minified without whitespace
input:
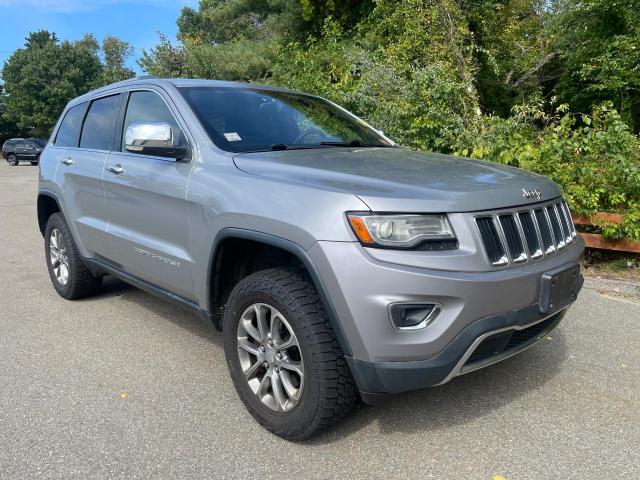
{"x":58,"y":257}
{"x":270,"y":357}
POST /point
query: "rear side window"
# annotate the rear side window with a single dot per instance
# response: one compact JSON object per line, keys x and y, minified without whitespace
{"x":70,"y":127}
{"x":99,"y":129}
{"x":150,"y":107}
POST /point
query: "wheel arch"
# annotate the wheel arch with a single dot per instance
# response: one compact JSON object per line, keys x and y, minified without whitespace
{"x":48,"y":204}
{"x":215,"y":301}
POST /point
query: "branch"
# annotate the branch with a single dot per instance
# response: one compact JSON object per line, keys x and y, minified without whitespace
{"x":535,"y":68}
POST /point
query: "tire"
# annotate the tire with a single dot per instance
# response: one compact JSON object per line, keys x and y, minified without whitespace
{"x":62,"y":256}
{"x":13,"y":159}
{"x":326,"y":391}
{"x":34,"y":163}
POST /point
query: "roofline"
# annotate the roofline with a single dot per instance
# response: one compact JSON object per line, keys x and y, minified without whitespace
{"x":177,"y":82}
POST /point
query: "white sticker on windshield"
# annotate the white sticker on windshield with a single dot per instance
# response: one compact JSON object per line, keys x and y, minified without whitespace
{"x":232,"y":136}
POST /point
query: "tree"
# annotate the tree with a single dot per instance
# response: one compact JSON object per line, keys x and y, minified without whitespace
{"x":165,"y":60}
{"x":42,"y":77}
{"x":599,"y":41}
{"x":115,"y":53}
{"x":8,"y":129}
{"x":512,"y":49}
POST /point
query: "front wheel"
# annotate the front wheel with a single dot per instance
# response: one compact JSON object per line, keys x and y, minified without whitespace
{"x":285,"y":362}
{"x":13,"y":159}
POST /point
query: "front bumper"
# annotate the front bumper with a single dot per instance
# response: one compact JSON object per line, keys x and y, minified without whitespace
{"x":379,"y":378}
{"x":477,"y":306}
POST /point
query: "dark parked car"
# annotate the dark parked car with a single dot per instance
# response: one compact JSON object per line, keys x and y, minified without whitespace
{"x":23,"y":149}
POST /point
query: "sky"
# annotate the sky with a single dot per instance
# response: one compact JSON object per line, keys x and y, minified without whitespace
{"x":137,"y":22}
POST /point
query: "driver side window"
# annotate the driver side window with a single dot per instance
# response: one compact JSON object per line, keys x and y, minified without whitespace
{"x":146,"y":106}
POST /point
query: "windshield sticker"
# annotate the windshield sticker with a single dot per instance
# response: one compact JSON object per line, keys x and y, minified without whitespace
{"x":232,"y":136}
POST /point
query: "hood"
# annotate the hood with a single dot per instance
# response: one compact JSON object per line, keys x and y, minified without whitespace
{"x":400,"y":180}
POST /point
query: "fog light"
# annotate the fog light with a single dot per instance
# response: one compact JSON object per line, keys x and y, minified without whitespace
{"x":413,"y":316}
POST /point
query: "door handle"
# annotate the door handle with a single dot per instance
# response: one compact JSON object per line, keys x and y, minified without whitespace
{"x":117,"y":169}
{"x":67,"y":161}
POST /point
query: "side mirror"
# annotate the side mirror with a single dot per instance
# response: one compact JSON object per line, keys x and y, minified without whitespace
{"x":153,"y":138}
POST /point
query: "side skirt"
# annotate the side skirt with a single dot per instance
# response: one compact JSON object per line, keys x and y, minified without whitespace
{"x":98,"y":267}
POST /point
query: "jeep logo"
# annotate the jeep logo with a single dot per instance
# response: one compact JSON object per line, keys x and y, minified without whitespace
{"x":535,"y":193}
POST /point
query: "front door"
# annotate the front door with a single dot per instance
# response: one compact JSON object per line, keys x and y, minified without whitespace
{"x":146,"y":202}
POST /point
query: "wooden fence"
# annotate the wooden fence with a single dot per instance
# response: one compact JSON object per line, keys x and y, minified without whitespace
{"x":595,"y":240}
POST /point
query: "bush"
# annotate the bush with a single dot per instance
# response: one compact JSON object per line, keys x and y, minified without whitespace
{"x":419,"y":107}
{"x":595,"y":158}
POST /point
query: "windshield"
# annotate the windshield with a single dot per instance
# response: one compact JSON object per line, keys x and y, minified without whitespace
{"x":244,"y":120}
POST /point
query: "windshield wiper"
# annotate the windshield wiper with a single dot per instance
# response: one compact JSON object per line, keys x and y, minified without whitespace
{"x":283,"y":146}
{"x":354,"y":143}
{"x":277,"y":147}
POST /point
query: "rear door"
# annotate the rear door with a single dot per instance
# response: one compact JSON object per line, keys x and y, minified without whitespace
{"x":146,"y":201}
{"x":80,"y":173}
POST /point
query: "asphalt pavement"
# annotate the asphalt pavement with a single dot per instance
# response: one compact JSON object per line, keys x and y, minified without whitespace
{"x":124,"y":385}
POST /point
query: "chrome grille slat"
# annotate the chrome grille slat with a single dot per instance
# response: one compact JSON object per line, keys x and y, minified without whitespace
{"x":544,"y":227}
{"x":555,"y":227}
{"x":492,"y":241}
{"x":530,"y":233}
{"x":513,"y":241}
{"x":563,"y":222}
{"x":503,"y":239}
{"x":522,"y":235}
{"x":567,"y":214}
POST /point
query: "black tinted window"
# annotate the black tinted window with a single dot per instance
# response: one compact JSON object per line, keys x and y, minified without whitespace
{"x":240,"y":120}
{"x":99,"y":127}
{"x":70,"y":127}
{"x":150,"y":107}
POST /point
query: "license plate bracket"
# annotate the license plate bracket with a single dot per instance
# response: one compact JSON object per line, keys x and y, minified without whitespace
{"x":559,"y":288}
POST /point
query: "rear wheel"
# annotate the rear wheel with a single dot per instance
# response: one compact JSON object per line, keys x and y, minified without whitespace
{"x":69,"y":275}
{"x":12,"y":158}
{"x":283,"y":356}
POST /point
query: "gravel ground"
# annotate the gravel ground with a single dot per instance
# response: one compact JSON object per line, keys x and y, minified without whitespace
{"x":124,"y":385}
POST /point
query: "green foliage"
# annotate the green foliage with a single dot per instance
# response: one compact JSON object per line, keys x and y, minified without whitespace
{"x":165,"y":60}
{"x":600,"y":45}
{"x":115,"y":53}
{"x":419,"y":106}
{"x":515,"y":60}
{"x":8,"y":128}
{"x":41,"y":78}
{"x":472,"y":78}
{"x":424,"y":70}
{"x":596,"y":158}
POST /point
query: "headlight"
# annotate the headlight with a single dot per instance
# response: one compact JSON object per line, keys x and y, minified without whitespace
{"x":400,"y":231}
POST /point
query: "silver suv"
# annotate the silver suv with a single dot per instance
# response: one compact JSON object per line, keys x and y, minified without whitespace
{"x":338,"y":265}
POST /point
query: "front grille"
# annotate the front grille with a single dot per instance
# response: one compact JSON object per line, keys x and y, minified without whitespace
{"x":522,"y":235}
